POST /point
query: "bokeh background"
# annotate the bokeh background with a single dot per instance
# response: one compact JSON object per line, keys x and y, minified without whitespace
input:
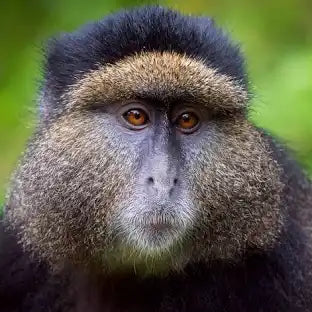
{"x":276,"y":37}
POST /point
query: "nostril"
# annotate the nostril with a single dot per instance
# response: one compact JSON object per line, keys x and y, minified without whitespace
{"x":175,"y":181}
{"x":171,"y":192}
{"x":150,"y":181}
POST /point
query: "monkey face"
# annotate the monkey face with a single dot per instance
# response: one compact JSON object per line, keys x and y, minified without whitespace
{"x":151,"y":163}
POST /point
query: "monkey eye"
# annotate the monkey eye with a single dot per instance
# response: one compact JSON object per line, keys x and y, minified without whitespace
{"x":187,"y":122}
{"x":136,"y":118}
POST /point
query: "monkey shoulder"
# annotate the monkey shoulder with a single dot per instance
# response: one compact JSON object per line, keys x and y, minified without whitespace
{"x":25,"y":283}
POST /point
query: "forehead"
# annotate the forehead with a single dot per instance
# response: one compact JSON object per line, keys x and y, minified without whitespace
{"x":162,"y":76}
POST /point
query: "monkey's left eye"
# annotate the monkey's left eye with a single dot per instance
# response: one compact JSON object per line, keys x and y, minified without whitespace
{"x":187,"y":122}
{"x":136,"y":118}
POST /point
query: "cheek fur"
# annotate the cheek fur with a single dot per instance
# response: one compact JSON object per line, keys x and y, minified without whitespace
{"x":66,"y":190}
{"x":238,"y":193}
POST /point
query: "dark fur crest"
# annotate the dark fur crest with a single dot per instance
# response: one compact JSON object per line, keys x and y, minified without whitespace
{"x":144,"y":29}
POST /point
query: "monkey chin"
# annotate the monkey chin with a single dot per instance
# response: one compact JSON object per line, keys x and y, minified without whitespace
{"x":149,"y":249}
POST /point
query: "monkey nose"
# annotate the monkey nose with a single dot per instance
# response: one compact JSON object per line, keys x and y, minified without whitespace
{"x":161,"y":187}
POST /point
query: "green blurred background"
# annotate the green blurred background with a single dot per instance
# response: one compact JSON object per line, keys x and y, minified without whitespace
{"x":276,"y":37}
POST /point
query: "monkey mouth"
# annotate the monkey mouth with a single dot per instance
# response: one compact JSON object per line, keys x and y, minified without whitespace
{"x":158,"y":229}
{"x":159,"y":234}
{"x":159,"y":226}
{"x":153,"y":235}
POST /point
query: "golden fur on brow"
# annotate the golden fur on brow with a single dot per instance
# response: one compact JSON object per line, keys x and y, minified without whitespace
{"x":162,"y":75}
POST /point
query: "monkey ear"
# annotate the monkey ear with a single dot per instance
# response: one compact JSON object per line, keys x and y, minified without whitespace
{"x":46,"y":105}
{"x":59,"y":62}
{"x":58,"y":73}
{"x":67,"y":57}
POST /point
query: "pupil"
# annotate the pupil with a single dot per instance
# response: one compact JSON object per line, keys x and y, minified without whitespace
{"x":186,"y":117}
{"x":137,"y":115}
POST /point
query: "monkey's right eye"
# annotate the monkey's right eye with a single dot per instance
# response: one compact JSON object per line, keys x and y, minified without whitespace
{"x":136,"y":118}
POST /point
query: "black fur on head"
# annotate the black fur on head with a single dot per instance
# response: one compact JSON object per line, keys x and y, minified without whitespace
{"x":144,"y":29}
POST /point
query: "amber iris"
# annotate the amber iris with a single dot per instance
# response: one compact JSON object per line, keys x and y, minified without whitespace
{"x":187,"y":121}
{"x":136,"y":117}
